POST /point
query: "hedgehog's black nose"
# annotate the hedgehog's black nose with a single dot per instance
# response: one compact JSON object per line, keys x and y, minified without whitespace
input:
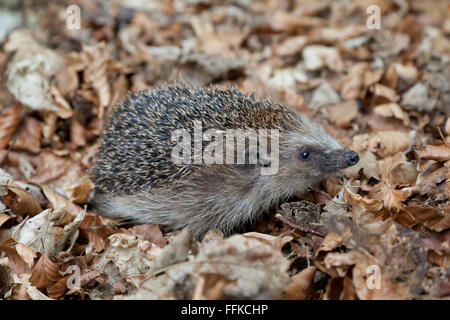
{"x":351,"y":157}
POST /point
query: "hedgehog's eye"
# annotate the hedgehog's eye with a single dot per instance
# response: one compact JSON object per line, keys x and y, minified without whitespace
{"x":305,"y":155}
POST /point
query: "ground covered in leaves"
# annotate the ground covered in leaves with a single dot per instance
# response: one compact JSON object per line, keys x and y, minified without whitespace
{"x":384,"y":93}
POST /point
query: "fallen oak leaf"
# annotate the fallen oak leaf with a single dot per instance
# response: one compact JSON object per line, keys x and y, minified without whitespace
{"x":437,"y":153}
{"x":384,"y":143}
{"x":31,"y":292}
{"x":79,"y":192}
{"x":3,"y":218}
{"x":45,"y":272}
{"x":27,"y":254}
{"x":21,"y":202}
{"x":16,"y":263}
{"x":28,"y":136}
{"x":57,"y":290}
{"x":9,"y":120}
{"x":150,"y":232}
{"x":58,"y":202}
{"x":301,"y":285}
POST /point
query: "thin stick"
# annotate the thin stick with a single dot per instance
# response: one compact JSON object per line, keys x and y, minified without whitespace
{"x":299,"y":228}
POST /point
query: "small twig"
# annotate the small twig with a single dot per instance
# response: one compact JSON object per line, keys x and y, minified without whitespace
{"x":442,"y":137}
{"x":299,"y":228}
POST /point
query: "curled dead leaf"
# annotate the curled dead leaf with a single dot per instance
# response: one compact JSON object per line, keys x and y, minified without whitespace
{"x":45,"y":272}
{"x":9,"y":120}
{"x":21,"y":202}
{"x":301,"y":284}
{"x":383,"y":143}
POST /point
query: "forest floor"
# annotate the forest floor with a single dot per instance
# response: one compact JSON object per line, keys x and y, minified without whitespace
{"x":382,"y":89}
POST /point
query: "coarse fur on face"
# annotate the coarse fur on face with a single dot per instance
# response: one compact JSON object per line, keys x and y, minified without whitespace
{"x":222,"y":196}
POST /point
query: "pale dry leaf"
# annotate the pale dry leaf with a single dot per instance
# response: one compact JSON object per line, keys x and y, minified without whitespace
{"x":417,"y":98}
{"x":43,"y":232}
{"x":316,"y":57}
{"x":30,"y":71}
{"x":96,"y":75}
{"x":291,"y":46}
{"x":323,"y":97}
{"x":354,"y":81}
{"x":275,"y":241}
{"x":385,"y":92}
{"x":253,"y":269}
{"x":392,"y":110}
{"x":32,"y":291}
{"x":284,"y":21}
{"x":343,"y":113}
{"x":27,"y":254}
{"x":383,"y":143}
{"x":59,"y":202}
{"x":132,"y":257}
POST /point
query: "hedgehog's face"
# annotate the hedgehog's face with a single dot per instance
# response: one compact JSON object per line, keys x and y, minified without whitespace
{"x":313,"y":157}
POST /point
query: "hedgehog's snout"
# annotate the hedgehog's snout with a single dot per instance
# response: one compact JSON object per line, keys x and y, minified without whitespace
{"x":351,"y":157}
{"x":336,"y":160}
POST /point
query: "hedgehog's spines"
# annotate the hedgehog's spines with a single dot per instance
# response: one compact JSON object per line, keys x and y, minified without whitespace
{"x":136,"y":146}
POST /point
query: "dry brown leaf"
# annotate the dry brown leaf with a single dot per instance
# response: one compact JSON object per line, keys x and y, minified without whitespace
{"x":57,"y":290}
{"x":96,"y":73}
{"x":21,"y":202}
{"x":28,"y":136}
{"x":79,"y":192}
{"x":392,"y":198}
{"x":316,"y":57}
{"x":334,"y":35}
{"x":27,"y":254}
{"x":3,"y":218}
{"x":96,"y":231}
{"x":50,"y":167}
{"x":210,"y":286}
{"x":16,"y":263}
{"x":438,"y":153}
{"x":59,"y":202}
{"x":301,"y":284}
{"x":343,"y":113}
{"x":45,"y":272}
{"x":428,"y":180}
{"x":291,"y":46}
{"x":385,"y":92}
{"x":372,"y":76}
{"x":277,"y":242}
{"x":392,"y":110}
{"x":433,"y":218}
{"x":9,"y":119}
{"x":150,"y":232}
{"x":77,"y":133}
{"x":353,"y":82}
{"x":398,"y":171}
{"x":66,"y":80}
{"x":284,"y":21}
{"x":383,"y":143}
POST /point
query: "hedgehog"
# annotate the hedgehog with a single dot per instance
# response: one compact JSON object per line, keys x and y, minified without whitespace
{"x":139,"y":180}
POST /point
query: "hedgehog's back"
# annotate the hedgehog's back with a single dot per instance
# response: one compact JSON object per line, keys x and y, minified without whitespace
{"x":136,"y":148}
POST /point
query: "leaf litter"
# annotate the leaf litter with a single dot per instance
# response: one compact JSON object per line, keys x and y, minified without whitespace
{"x":383,"y":226}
